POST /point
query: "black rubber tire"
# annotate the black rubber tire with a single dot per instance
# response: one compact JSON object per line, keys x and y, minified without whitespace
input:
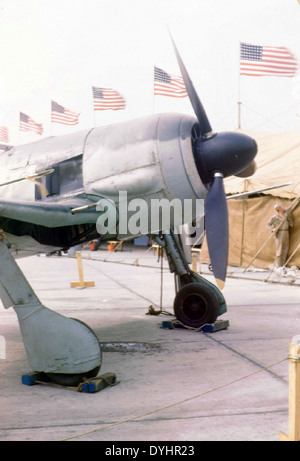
{"x":72,"y":380}
{"x":195,"y":305}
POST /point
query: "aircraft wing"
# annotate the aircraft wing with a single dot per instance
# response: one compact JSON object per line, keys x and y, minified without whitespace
{"x":50,"y":214}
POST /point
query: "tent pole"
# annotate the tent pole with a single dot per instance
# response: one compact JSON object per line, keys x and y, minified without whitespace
{"x":297,"y":248}
{"x":243,"y":222}
{"x":239,"y":91}
{"x":243,"y":229}
{"x":293,"y":205}
{"x":294,"y":252}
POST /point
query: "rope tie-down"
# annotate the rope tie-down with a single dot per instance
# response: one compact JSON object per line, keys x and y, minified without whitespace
{"x":87,"y":385}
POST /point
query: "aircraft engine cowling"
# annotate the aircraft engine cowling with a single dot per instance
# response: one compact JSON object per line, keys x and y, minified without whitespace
{"x":150,"y":159}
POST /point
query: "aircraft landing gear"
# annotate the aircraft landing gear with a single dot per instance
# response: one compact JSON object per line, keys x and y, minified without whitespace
{"x":63,"y":348}
{"x":197,"y":302}
{"x":64,"y":379}
{"x":72,"y":380}
{"x":196,"y":305}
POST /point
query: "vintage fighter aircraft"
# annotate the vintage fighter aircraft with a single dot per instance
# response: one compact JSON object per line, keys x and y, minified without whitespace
{"x":162,"y":156}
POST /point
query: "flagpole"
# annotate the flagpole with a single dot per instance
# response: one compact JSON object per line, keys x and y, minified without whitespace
{"x":239,"y":94}
{"x":94,"y":114}
{"x":51,"y":119}
{"x":93,"y":108}
{"x":239,"y":114}
{"x":153,"y":91}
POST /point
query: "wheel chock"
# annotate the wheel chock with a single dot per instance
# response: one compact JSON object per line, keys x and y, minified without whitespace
{"x":218,"y":325}
{"x":97,"y":384}
{"x":167,"y":325}
{"x":32,"y":378}
{"x":208,"y":328}
{"x":89,"y":386}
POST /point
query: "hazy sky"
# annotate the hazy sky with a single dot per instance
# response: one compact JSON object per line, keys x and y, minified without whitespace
{"x":57,"y":49}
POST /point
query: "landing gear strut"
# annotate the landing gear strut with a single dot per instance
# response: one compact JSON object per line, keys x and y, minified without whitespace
{"x":63,"y":348}
{"x":197,"y":301}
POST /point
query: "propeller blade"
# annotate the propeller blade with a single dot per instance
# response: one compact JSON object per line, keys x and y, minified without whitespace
{"x":200,"y":113}
{"x":216,"y":226}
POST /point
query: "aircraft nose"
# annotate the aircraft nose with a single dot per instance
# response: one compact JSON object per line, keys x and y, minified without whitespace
{"x":230,"y":153}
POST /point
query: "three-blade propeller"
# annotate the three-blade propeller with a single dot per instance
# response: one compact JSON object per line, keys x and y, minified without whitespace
{"x":217,"y":156}
{"x":200,"y":113}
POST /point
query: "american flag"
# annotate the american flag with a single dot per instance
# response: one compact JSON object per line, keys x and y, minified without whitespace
{"x":257,"y":61}
{"x":60,"y":114}
{"x":4,"y":134}
{"x":168,"y":85}
{"x":107,"y":98}
{"x":27,"y":124}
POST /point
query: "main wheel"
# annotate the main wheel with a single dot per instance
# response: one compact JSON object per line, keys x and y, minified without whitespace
{"x":64,"y":379}
{"x":195,"y":305}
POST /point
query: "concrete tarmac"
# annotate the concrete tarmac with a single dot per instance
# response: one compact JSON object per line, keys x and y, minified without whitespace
{"x":174,"y":384}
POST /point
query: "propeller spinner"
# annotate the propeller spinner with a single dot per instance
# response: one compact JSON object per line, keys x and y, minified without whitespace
{"x":217,"y":155}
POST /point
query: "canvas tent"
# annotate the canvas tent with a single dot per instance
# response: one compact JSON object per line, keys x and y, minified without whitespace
{"x":278,"y":162}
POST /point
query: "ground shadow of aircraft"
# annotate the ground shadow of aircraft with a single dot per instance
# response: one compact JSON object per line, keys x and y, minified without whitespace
{"x":63,"y":191}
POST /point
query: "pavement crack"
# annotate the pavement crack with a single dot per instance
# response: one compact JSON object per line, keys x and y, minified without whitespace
{"x":245,"y":357}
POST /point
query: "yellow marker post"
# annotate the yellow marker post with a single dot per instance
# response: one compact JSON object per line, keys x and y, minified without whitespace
{"x":194,"y":262}
{"x":81,"y":284}
{"x":294,"y":393}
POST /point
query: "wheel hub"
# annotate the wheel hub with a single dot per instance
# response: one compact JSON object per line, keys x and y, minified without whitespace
{"x":194,"y":306}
